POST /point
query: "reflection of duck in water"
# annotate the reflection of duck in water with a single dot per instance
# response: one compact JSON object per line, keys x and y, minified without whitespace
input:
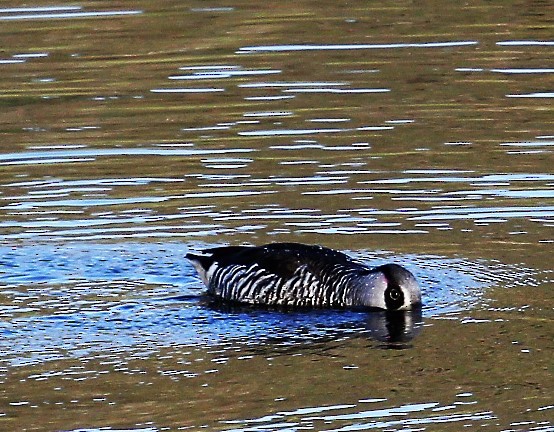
{"x":394,"y":327}
{"x":296,"y":275}
{"x":296,"y":327}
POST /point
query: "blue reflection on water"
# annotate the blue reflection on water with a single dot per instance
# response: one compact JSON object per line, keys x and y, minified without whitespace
{"x":134,"y":298}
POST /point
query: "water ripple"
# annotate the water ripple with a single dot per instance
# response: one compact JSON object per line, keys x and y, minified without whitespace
{"x":285,"y":132}
{"x":67,"y":301}
{"x":308,"y":47}
{"x":88,"y":154}
{"x":58,"y":12}
{"x":354,"y":417}
{"x":526,"y":43}
{"x":188,"y":90}
{"x":532,"y":95}
{"x":224,"y":74}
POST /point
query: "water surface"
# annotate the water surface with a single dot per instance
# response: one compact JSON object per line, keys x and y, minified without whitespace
{"x":135,"y":132}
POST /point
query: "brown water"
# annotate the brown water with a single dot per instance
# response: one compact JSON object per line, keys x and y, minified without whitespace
{"x":131,"y":132}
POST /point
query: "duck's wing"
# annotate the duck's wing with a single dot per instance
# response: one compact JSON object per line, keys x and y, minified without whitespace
{"x":280,"y":259}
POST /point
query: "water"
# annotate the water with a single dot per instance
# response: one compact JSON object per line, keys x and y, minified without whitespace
{"x":414,"y":133}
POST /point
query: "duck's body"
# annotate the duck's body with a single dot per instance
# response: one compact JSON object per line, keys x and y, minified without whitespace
{"x":297,"y":275}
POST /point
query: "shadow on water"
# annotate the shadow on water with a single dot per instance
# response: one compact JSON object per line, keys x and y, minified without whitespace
{"x":296,"y":327}
{"x":130,"y":299}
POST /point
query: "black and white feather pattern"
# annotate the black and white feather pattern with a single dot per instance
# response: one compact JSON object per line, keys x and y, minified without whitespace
{"x":287,"y":274}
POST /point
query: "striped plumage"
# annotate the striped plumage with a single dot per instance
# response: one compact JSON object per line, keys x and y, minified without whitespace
{"x":297,"y":275}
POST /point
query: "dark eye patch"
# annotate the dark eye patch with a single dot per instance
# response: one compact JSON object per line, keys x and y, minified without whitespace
{"x":394,"y":297}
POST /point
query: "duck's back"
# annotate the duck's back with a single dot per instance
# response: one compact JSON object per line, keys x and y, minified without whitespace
{"x":287,"y":274}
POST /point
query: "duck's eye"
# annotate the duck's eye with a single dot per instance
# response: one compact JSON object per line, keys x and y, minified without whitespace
{"x":394,"y":294}
{"x":394,"y":297}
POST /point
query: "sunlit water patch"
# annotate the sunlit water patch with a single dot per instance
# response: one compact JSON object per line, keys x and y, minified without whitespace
{"x":132,"y":298}
{"x":228,"y":72}
{"x":369,"y":414}
{"x":349,"y":47}
{"x":200,"y":203}
{"x":88,"y":154}
{"x":58,"y":12}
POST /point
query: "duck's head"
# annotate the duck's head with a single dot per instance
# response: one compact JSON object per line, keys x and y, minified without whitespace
{"x":390,"y":287}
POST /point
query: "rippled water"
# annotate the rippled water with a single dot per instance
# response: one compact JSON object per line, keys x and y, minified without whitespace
{"x":85,"y":299}
{"x":135,"y":132}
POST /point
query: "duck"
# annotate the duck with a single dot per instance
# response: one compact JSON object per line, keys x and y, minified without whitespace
{"x":298,"y":275}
